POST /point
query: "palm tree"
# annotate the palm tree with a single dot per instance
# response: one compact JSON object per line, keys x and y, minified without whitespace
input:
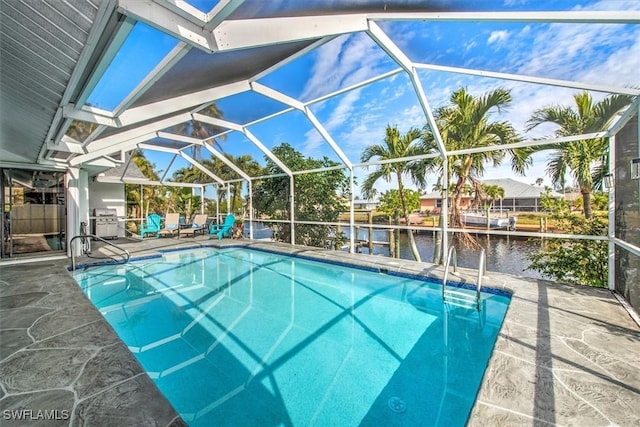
{"x":250,"y":166}
{"x":580,"y":158}
{"x":493,"y":193}
{"x":466,"y":123}
{"x":150,"y":193}
{"x":395,"y":146}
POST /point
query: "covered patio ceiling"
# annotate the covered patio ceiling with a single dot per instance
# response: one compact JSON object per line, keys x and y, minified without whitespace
{"x":58,"y":56}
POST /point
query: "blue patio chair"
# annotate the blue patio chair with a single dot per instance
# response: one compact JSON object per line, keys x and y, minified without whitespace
{"x":223,"y":229}
{"x":151,"y":225}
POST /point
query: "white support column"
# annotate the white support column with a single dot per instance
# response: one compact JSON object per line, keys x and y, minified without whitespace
{"x":217,"y":188}
{"x":229,"y":198}
{"x":292,"y":209}
{"x":352,"y":238}
{"x":250,"y":210}
{"x":202,"y":199}
{"x":444,"y":211}
{"x":611,"y":259}
{"x":77,"y":198}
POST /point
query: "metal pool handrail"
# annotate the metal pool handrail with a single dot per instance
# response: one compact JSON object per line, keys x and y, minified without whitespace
{"x":481,"y":267}
{"x":452,"y":255}
{"x":80,"y":236}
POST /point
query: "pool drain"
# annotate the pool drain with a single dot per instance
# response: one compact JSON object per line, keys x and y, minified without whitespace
{"x":397,"y":405}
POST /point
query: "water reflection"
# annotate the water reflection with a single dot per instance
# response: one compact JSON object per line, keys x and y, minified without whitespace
{"x":505,"y":254}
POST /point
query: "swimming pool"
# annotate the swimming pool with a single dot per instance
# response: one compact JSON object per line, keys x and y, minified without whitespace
{"x":247,"y":337}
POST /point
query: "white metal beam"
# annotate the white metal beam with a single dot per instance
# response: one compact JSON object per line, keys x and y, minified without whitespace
{"x":611,"y":226}
{"x":292,"y":57}
{"x":246,"y":33}
{"x":126,"y":167}
{"x":184,"y":10}
{"x":168,"y":168}
{"x":105,"y":60}
{"x":225,"y":160}
{"x":165,"y":65}
{"x":217,"y":122}
{"x":100,"y":23}
{"x":287,"y":100}
{"x":355,"y":86}
{"x":381,"y":38}
{"x":144,"y":181}
{"x":220,"y":12}
{"x":586,"y":17}
{"x":530,"y":79}
{"x":169,"y":22}
{"x":327,"y":137}
{"x":534,"y":143}
{"x":179,"y":138}
{"x":111,"y":141}
{"x":209,"y":147}
{"x":160,"y":148}
{"x":198,"y":165}
{"x":278,"y":96}
{"x":70,"y":111}
{"x":179,"y":103}
{"x":66,"y":144}
{"x":632,"y":109}
{"x":266,"y":151}
{"x":125,"y":145}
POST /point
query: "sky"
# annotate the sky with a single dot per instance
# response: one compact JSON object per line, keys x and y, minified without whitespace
{"x":607,"y":55}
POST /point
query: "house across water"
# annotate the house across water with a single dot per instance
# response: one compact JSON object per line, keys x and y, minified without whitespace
{"x":518,"y":197}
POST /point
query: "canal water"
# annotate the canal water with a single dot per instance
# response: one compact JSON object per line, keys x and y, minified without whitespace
{"x":505,"y":254}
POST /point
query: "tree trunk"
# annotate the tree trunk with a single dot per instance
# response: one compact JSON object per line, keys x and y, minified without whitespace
{"x":405,"y":210}
{"x":396,"y":240}
{"x":456,"y":218}
{"x":586,"y":203}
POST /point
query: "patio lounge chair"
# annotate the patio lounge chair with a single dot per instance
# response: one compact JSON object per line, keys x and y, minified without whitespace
{"x":223,"y":229}
{"x":199,"y":224}
{"x":171,"y":225}
{"x":151,"y":225}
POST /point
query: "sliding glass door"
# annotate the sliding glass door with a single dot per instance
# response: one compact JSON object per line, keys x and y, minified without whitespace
{"x":33,"y":212}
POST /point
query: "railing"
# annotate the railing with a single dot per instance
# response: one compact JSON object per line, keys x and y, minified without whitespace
{"x":452,"y":255}
{"x":481,"y":267}
{"x":86,"y":236}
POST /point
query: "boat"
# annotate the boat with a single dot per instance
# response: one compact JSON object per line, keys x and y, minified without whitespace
{"x":475,"y":220}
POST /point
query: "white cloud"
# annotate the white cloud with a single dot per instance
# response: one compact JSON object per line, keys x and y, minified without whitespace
{"x":498,"y":36}
{"x":345,"y":61}
{"x":589,"y":53}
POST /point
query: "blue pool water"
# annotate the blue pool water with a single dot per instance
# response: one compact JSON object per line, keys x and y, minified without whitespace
{"x":246,"y":337}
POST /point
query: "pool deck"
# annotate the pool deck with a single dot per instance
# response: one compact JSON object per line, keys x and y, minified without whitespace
{"x":566,"y":355}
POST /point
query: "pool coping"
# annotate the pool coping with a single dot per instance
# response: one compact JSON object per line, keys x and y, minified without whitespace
{"x":565,"y":354}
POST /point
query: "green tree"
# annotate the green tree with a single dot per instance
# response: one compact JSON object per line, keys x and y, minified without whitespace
{"x":392,"y":204}
{"x":582,"y":262}
{"x":151,"y":194}
{"x":396,"y":145}
{"x":250,"y":166}
{"x":583,"y":158}
{"x":492,"y":193}
{"x":318,"y":196}
{"x":465,"y":123}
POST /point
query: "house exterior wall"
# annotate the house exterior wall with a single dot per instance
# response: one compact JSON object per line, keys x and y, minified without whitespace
{"x":108,"y":195}
{"x":434,"y":205}
{"x":627,"y":214}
